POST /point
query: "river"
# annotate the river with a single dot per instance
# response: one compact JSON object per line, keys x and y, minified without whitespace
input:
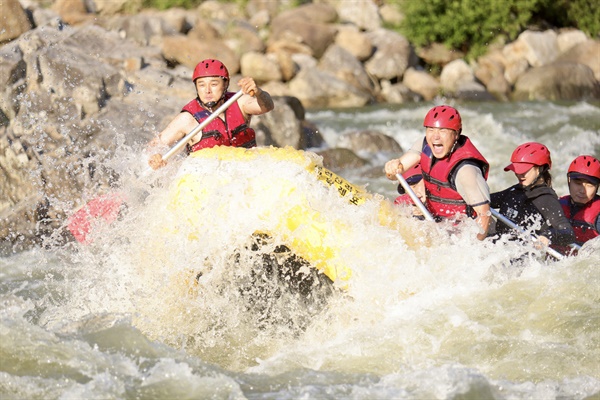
{"x":427,"y":312}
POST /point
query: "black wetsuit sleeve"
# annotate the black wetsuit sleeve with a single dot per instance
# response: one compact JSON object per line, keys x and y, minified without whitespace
{"x":560,"y":231}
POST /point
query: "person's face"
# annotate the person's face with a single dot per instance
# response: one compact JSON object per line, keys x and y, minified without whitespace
{"x":529,"y":177}
{"x":440,"y":140}
{"x":582,"y":191}
{"x":210,"y":88}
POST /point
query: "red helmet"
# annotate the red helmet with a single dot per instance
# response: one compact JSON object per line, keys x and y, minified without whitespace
{"x":443,"y":117}
{"x":585,"y":165}
{"x":527,"y":155}
{"x":412,"y":176}
{"x":210,"y":67}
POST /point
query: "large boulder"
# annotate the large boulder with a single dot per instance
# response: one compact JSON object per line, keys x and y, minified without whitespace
{"x":587,"y":53}
{"x":354,"y":41}
{"x":309,"y":22}
{"x":261,"y":67}
{"x":557,"y":81}
{"x":369,"y":143}
{"x":454,"y":74}
{"x":393,"y":55}
{"x":422,"y":83}
{"x":538,"y":48}
{"x":189,"y":51}
{"x":309,"y":88}
{"x":13,"y":22}
{"x":346,"y":66}
{"x":363,"y":14}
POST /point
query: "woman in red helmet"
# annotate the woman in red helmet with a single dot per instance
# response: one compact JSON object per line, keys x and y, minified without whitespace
{"x":582,"y":205}
{"x":454,"y":171}
{"x":532,"y":203}
{"x":211,"y":80}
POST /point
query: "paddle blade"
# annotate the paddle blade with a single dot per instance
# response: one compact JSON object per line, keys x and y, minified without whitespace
{"x":105,"y":208}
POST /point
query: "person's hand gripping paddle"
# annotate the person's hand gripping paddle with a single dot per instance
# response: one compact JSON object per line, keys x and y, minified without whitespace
{"x":414,"y":197}
{"x":107,"y":207}
{"x":516,"y":227}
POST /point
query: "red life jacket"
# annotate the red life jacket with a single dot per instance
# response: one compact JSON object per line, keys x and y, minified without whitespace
{"x":404,"y":199}
{"x":584,"y":220}
{"x":442,"y":198}
{"x":233,"y":131}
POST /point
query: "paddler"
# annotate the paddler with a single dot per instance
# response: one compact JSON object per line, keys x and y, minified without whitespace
{"x":232,"y":128}
{"x":532,"y":204}
{"x":582,"y":205}
{"x":454,"y":171}
{"x":414,"y":178}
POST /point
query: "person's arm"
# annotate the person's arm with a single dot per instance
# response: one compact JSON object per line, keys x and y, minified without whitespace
{"x":484,"y":217}
{"x":559,"y":231}
{"x":407,"y":160}
{"x":474,"y":190}
{"x":255,"y":101}
{"x":180,"y":126}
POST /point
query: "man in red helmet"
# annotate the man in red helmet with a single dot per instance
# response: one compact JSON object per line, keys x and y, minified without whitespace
{"x":582,"y":205}
{"x":231,"y":128}
{"x":454,"y":171}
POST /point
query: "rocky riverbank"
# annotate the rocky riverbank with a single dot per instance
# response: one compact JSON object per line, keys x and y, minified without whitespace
{"x":79,"y":76}
{"x":345,"y":43}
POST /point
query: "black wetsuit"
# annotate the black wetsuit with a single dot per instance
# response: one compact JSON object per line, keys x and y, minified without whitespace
{"x":528,"y":206}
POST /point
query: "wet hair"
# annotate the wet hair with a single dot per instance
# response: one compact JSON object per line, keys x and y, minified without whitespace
{"x":545,"y":175}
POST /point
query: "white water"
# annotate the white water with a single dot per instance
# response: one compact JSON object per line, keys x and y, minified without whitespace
{"x":429,"y":312}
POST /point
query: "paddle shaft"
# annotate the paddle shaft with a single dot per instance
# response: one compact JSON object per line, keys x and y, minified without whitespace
{"x":516,"y":227}
{"x":178,"y":146}
{"x":414,"y":198}
{"x":80,"y":224}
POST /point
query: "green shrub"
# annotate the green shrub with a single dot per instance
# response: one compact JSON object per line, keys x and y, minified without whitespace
{"x":166,"y":4}
{"x":466,"y":25}
{"x":471,"y":25}
{"x":581,"y":14}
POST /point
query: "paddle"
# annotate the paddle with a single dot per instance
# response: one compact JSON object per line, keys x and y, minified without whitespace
{"x":495,"y":213}
{"x":414,"y":198}
{"x":108,"y":206}
{"x":516,"y":227}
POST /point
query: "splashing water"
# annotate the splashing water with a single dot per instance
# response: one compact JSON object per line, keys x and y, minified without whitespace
{"x":197,"y":291}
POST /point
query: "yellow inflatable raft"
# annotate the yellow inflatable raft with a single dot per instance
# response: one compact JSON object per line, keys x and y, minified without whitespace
{"x":308,"y":232}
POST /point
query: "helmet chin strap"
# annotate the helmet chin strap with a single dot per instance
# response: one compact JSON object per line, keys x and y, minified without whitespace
{"x":453,"y":146}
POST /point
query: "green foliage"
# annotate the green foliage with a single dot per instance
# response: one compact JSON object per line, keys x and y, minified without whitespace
{"x":581,"y":14}
{"x":166,"y":4}
{"x":466,"y":25}
{"x":471,"y":25}
{"x":585,"y":14}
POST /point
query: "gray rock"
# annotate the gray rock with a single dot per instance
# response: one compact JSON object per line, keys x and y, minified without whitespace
{"x":368,"y":143}
{"x":345,"y":66}
{"x":308,"y":87}
{"x":557,"y":81}
{"x":14,"y":21}
{"x":393,"y":56}
{"x":587,"y":53}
